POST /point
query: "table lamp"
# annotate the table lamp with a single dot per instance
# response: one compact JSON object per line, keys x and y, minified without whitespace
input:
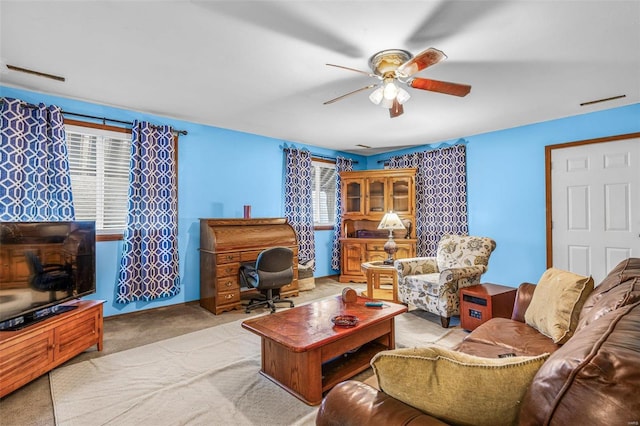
{"x":390,"y":221}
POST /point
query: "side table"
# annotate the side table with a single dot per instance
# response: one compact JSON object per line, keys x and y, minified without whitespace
{"x":480,"y":303}
{"x":373,"y":271}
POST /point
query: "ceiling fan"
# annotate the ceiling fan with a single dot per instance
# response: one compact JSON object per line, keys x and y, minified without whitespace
{"x":396,"y":65}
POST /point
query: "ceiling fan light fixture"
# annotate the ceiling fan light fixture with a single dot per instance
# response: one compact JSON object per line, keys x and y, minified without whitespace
{"x":386,"y":103}
{"x":390,"y":89}
{"x":403,"y":96}
{"x":376,"y":96}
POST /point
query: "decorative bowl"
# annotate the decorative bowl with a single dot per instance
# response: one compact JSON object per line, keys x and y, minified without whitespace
{"x":345,"y":320}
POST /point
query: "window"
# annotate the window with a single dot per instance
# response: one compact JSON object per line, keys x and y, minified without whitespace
{"x":99,"y":168}
{"x":323,"y":177}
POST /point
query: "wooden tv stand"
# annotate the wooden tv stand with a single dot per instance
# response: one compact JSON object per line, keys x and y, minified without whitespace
{"x":28,"y":353}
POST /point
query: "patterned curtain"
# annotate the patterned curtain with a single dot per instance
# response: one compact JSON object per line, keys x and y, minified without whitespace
{"x":441,"y":194}
{"x":149,"y":264}
{"x":342,"y":165}
{"x":298,"y":201}
{"x":34,"y":172}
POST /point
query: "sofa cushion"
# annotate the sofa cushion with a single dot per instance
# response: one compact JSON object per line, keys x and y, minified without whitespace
{"x":594,"y":378}
{"x":484,"y":391}
{"x":556,"y":303}
{"x":502,"y":335}
{"x":619,"y":288}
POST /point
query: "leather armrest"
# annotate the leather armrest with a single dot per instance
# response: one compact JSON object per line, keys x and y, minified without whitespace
{"x":523,"y":298}
{"x":354,"y":403}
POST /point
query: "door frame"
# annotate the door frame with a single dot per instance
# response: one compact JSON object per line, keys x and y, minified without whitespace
{"x":548,"y":150}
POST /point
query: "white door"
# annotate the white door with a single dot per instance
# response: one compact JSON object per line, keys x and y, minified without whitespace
{"x":595,"y":190}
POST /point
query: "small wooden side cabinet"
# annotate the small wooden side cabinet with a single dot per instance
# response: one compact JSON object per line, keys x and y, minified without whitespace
{"x":480,"y":303}
{"x":374,"y":272}
{"x":28,"y":353}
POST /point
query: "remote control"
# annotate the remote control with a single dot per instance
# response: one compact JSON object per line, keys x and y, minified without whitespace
{"x":373,"y":304}
{"x":509,"y":355}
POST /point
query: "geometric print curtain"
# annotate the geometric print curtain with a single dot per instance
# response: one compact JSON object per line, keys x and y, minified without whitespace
{"x":34,"y":169}
{"x":441,"y":194}
{"x":149,"y":267}
{"x":298,"y":201}
{"x":342,"y":165}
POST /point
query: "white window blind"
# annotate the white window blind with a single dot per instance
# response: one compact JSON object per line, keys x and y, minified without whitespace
{"x":99,"y":168}
{"x":323,"y":176}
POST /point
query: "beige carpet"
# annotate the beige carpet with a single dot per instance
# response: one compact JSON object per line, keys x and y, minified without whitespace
{"x":205,"y":377}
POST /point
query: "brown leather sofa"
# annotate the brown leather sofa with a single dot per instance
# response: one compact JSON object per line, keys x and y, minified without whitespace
{"x":593,"y":378}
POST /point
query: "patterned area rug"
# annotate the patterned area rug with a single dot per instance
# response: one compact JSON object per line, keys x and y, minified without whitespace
{"x":205,"y":377}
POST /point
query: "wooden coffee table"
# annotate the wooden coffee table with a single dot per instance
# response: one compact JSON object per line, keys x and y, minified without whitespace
{"x":305,"y":354}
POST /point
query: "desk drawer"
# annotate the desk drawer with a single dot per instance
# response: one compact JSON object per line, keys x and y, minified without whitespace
{"x":248,"y":256}
{"x":252,"y":255}
{"x":228,"y":270}
{"x":227,"y":258}
{"x":227,"y":297}
{"x":227,"y":284}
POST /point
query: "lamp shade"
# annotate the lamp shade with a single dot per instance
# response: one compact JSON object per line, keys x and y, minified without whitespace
{"x":391,"y":221}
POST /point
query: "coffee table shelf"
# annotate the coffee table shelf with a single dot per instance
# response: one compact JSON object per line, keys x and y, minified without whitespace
{"x":348,"y":365}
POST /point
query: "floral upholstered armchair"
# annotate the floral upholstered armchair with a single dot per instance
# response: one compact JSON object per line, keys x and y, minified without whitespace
{"x":433,"y":283}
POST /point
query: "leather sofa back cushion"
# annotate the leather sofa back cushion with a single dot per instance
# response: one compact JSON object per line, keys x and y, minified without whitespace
{"x":455,"y":387}
{"x":593,"y":379}
{"x":620,"y":287}
{"x":556,"y":303}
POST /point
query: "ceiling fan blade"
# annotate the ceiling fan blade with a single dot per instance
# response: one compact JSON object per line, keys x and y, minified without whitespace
{"x":284,"y":18}
{"x":353,"y":69}
{"x":446,"y":87}
{"x":349,"y":94}
{"x":451,"y":18}
{"x":396,"y":109}
{"x":422,"y":60}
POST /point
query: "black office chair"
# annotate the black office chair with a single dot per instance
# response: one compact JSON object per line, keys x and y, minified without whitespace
{"x":48,"y":277}
{"x":273,"y":269}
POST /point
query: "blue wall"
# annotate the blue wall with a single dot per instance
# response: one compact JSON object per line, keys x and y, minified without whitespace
{"x":221,"y":170}
{"x":506,"y":186}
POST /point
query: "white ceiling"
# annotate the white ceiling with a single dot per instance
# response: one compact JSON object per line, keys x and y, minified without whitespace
{"x":259,"y":67}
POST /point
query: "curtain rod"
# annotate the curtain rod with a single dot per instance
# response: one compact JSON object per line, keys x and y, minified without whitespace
{"x":323,"y":157}
{"x":103,"y":119}
{"x":442,"y":145}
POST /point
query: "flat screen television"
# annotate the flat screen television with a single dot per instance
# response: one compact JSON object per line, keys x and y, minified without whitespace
{"x":42,"y":265}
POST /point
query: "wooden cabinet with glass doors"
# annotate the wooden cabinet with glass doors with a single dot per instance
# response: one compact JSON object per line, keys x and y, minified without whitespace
{"x":366,"y":197}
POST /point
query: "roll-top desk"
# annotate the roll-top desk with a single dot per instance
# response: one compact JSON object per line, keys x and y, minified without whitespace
{"x":225,"y":244}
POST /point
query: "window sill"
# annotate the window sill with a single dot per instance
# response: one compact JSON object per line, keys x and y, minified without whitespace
{"x":109,"y":237}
